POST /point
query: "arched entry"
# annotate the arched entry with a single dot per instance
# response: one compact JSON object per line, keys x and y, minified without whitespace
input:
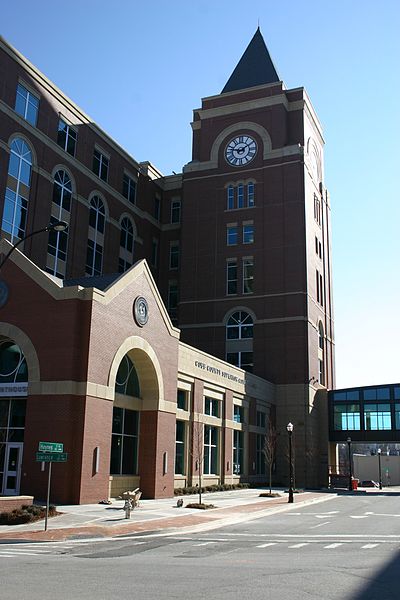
{"x":136,"y":378}
{"x":13,"y":392}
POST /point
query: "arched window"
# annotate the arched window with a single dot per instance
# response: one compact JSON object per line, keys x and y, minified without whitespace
{"x":126,"y":245}
{"x":239,"y":326}
{"x":94,"y":255}
{"x":13,"y":366}
{"x":127,"y":381}
{"x":60,"y":211}
{"x":239,"y":340}
{"x":17,"y":190}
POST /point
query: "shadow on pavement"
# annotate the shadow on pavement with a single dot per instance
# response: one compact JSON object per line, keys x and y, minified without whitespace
{"x":384,"y":585}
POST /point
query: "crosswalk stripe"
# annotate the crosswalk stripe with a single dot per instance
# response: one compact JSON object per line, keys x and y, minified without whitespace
{"x":266,"y":545}
{"x":368,"y":546}
{"x":333,"y":545}
{"x":299,"y":545}
{"x":204,"y":543}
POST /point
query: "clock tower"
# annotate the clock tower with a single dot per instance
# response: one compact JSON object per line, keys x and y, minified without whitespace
{"x":255,"y":283}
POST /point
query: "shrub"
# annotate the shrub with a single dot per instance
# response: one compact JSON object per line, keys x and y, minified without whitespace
{"x":26,"y":514}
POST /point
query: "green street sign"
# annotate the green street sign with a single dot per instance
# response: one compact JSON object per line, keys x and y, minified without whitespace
{"x":51,"y":456}
{"x":51,"y":447}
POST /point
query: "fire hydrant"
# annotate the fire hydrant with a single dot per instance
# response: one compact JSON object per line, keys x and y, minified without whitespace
{"x":127,"y":508}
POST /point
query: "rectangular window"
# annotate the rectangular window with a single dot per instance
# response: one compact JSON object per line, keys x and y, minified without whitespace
{"x":173,"y":300}
{"x":261,"y":419}
{"x":231,"y":277}
{"x":238,"y":413}
{"x":397,"y":415}
{"x":174,"y":256}
{"x":321,"y":374}
{"x":129,"y":188}
{"x":248,"y":275}
{"x":260,"y":458}
{"x":181,"y":399}
{"x":124,"y":442}
{"x":240,"y":195}
{"x":94,"y":258}
{"x":27,"y":105}
{"x":243,"y":360}
{"x":180,"y":448}
{"x":14,"y":215}
{"x":154,"y":253}
{"x":248,"y":234}
{"x":231,"y":197}
{"x":346,"y":417}
{"x":237,"y":452}
{"x":250,"y":194}
{"x":176,"y":211}
{"x":66,"y":137}
{"x":316,"y":245}
{"x":157,"y":208}
{"x":317,"y":284}
{"x":211,"y":407}
{"x":100,"y":165}
{"x":231,"y":235}
{"x":377,"y":417}
{"x":210,"y":450}
{"x":317,"y":209}
{"x":321,"y":289}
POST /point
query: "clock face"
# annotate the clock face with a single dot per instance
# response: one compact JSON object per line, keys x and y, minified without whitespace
{"x":241,"y":150}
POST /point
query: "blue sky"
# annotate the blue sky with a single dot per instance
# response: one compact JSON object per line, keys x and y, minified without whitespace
{"x":139,"y":69}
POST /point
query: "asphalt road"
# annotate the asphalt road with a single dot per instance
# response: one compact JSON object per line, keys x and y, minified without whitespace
{"x":347,"y":548}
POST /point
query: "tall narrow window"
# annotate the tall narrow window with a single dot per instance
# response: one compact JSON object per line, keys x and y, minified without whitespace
{"x":129,"y":188}
{"x":260,"y":458}
{"x":231,"y":235}
{"x":100,"y":164}
{"x":174,"y":255}
{"x":157,"y":208}
{"x":126,"y":245}
{"x":250,"y":194}
{"x":240,"y":195}
{"x":237,"y":452}
{"x":173,"y":300}
{"x":248,"y":234}
{"x":231,"y":197}
{"x":94,"y":255}
{"x":27,"y":104}
{"x":248,"y":275}
{"x":17,"y":190}
{"x":175,"y":211}
{"x":243,"y":360}
{"x":124,"y":441}
{"x":60,"y":211}
{"x":154,"y":252}
{"x":321,"y":354}
{"x":231,"y":277}
{"x":66,"y":137}
{"x":180,"y":448}
{"x":210,"y":450}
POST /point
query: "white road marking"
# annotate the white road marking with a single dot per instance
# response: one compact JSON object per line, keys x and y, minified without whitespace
{"x":266,"y":545}
{"x":319,"y":525}
{"x":299,"y":545}
{"x":204,"y":543}
{"x":368,"y":546}
{"x":333,"y":545}
{"x":380,"y":514}
{"x":358,"y":516}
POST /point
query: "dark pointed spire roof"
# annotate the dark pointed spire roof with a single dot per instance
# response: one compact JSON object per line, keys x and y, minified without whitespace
{"x":254,"y":68}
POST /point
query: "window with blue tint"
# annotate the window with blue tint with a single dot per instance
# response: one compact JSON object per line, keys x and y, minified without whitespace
{"x":240,"y":195}
{"x":377,"y":417}
{"x":14,"y":215}
{"x":26,"y":104}
{"x":237,"y":452}
{"x":383,"y":394}
{"x":339,"y":396}
{"x":231,"y":198}
{"x":248,"y":234}
{"x":353,"y":395}
{"x":231,"y":236}
{"x":397,"y":393}
{"x":370,"y":394}
{"x":397,"y":415}
{"x":250,"y":194}
{"x":238,"y":413}
{"x":127,"y":381}
{"x":346,"y":417}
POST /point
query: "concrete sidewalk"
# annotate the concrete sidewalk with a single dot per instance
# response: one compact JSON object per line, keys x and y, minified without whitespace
{"x":156,"y":516}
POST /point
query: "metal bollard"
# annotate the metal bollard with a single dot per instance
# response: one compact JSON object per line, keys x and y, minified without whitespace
{"x":127,"y":508}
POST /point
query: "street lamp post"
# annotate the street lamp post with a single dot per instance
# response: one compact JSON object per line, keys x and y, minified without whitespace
{"x":289,"y":428}
{"x":56,"y":226}
{"x":350,"y":466}
{"x":379,"y":467}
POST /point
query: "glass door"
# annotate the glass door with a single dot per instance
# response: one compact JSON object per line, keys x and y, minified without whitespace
{"x":12,"y":469}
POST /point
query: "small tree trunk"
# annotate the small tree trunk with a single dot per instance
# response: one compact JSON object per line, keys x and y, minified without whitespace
{"x":270,"y":478}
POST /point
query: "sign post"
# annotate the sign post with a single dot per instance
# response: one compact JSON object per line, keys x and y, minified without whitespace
{"x":50,"y":452}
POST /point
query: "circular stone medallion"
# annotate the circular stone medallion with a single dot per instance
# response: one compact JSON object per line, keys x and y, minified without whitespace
{"x":141,"y":311}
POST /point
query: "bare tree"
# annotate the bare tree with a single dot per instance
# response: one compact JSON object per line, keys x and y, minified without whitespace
{"x":269,"y":449}
{"x":197,"y":452}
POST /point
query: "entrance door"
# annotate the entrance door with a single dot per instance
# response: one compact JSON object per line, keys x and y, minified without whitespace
{"x":12,"y":471}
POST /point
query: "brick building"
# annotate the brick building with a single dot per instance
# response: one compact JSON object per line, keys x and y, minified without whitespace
{"x":228,"y":263}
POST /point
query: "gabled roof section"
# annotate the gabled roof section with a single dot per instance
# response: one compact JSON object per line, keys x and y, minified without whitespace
{"x":254,"y":68}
